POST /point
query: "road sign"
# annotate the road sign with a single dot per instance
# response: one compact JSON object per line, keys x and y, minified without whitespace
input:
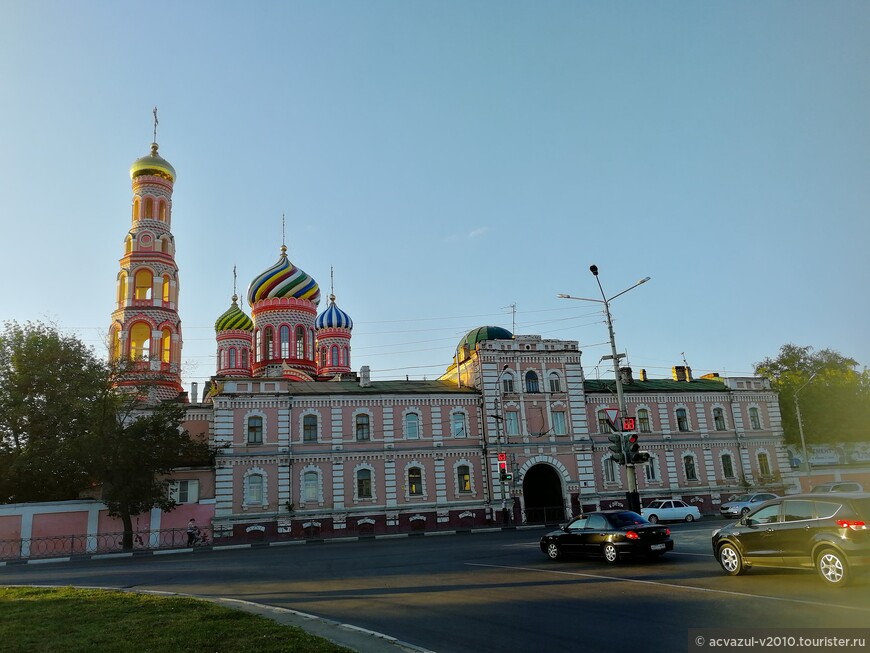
{"x":612,"y":415}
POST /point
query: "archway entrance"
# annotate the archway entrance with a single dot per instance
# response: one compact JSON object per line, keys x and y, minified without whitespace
{"x":542,"y":495}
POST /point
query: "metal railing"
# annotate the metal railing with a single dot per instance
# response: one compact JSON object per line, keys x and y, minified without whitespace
{"x":100,"y":543}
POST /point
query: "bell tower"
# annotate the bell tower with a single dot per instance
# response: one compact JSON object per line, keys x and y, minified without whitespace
{"x":146,"y":328}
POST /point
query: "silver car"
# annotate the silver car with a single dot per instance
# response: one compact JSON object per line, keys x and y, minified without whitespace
{"x":740,"y":506}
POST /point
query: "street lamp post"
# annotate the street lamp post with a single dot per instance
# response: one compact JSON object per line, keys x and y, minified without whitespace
{"x":797,"y":409}
{"x":632,"y":495}
{"x":499,"y":417}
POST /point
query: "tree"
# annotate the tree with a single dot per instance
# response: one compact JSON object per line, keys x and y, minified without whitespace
{"x":49,"y":383}
{"x":66,"y":426}
{"x":834,"y":396}
{"x":132,"y":455}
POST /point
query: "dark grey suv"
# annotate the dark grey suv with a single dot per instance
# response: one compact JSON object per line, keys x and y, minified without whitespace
{"x":827,"y":532}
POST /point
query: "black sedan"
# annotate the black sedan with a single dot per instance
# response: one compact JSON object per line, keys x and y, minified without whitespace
{"x":611,"y":533}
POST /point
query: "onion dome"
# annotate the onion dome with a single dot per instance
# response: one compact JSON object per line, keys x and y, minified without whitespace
{"x":484,"y":333}
{"x":153,"y":164}
{"x":283,"y":280}
{"x":333,"y":317}
{"x":234,"y":318}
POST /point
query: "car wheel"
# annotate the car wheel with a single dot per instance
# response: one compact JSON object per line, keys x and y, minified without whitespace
{"x":833,"y":568}
{"x":730,"y":560}
{"x":553,"y":551}
{"x":744,"y":512}
{"x":653,"y":519}
{"x":690,"y":517}
{"x":611,"y":553}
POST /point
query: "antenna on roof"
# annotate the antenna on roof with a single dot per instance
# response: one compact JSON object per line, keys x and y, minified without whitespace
{"x":513,"y":308}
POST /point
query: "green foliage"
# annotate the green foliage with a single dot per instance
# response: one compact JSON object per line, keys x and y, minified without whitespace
{"x":65,"y":427}
{"x":832,"y":394}
{"x":49,"y":384}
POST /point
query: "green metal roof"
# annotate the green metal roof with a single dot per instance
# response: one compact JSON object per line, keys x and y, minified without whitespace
{"x":656,"y":385}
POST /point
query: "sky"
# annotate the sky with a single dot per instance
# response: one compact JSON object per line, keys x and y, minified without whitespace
{"x":456,"y":164}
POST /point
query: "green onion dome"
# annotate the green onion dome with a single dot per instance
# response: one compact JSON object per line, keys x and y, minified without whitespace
{"x":484,"y":333}
{"x":283,"y":280}
{"x":234,"y":318}
{"x":153,"y":164}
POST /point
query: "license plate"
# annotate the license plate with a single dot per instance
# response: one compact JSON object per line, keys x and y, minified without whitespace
{"x":657,"y":547}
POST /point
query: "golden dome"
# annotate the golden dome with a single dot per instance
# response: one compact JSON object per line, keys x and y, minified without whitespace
{"x":153,"y":164}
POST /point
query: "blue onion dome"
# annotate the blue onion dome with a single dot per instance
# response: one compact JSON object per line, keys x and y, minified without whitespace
{"x":234,"y":318}
{"x":283,"y":280}
{"x":484,"y":333}
{"x":333,"y":317}
{"x":153,"y":164}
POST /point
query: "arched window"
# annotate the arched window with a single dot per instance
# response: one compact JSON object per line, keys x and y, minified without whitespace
{"x":166,"y":287}
{"x":463,"y":479}
{"x":650,"y":470}
{"x":232,"y":361}
{"x":610,"y":471}
{"x":136,"y":209}
{"x":309,"y":428}
{"x":310,"y":349}
{"x":364,"y":484}
{"x":161,"y":213}
{"x":310,"y":483}
{"x":255,"y":430}
{"x":415,"y":481}
{"x":254,"y":490}
{"x":284,"y":335}
{"x":144,"y":284}
{"x":532,"y":382}
{"x":719,"y":419}
{"x":258,"y":353}
{"x":412,"y":426}
{"x":555,"y":382}
{"x":347,"y":356}
{"x":149,"y":207}
{"x":689,"y":468}
{"x":754,"y":419}
{"x":323,"y":357}
{"x":268,"y":343}
{"x":122,"y":289}
{"x":512,"y":422}
{"x":362,"y":427}
{"x":333,"y":356}
{"x":128,"y":245}
{"x":300,"y":342}
{"x":682,"y":420}
{"x":457,"y":420}
{"x":244,"y":358}
{"x":643,"y":424}
{"x":116,"y":343}
{"x":507,"y":383}
{"x":727,"y":465}
{"x":166,"y":346}
{"x":140,"y":341}
{"x":763,"y":464}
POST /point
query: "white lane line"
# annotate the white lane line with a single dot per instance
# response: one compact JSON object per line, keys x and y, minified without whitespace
{"x":676,"y":586}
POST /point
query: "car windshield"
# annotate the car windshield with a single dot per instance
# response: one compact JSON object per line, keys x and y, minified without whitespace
{"x":626,"y":518}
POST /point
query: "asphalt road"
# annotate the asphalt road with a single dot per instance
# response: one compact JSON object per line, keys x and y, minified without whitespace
{"x":489,"y":591}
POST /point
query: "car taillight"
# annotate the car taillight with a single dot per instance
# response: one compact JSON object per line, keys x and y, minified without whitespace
{"x":667,"y":531}
{"x":632,"y":535}
{"x":854,"y":524}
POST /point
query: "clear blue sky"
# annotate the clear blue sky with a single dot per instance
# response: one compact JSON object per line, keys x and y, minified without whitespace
{"x":450,"y":159}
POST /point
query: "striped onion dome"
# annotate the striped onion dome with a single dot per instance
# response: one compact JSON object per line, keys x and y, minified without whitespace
{"x":333,"y":317}
{"x":234,"y":318}
{"x":283,"y":280}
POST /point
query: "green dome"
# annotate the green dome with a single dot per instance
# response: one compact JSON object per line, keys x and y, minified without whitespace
{"x":484,"y":333}
{"x":153,"y":164}
{"x":234,"y":318}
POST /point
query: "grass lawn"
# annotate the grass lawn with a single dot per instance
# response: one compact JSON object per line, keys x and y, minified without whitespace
{"x":38,"y":620}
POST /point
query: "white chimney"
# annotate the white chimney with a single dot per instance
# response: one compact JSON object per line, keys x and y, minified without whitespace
{"x":365,"y":379}
{"x":194,"y":390}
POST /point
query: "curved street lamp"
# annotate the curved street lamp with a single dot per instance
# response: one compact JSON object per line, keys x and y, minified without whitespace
{"x":633,"y":496}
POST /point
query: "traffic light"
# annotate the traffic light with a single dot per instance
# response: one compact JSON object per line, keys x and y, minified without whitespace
{"x":632,"y":450}
{"x":502,"y":468}
{"x":616,"y":446}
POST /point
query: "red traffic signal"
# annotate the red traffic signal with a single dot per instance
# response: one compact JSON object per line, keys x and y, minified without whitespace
{"x":502,"y":457}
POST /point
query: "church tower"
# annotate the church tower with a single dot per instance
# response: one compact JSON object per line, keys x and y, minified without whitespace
{"x":146,"y":328}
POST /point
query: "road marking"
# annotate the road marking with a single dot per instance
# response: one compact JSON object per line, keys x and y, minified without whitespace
{"x":674,"y":585}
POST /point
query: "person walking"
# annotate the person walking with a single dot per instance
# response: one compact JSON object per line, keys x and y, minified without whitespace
{"x":192,"y":532}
